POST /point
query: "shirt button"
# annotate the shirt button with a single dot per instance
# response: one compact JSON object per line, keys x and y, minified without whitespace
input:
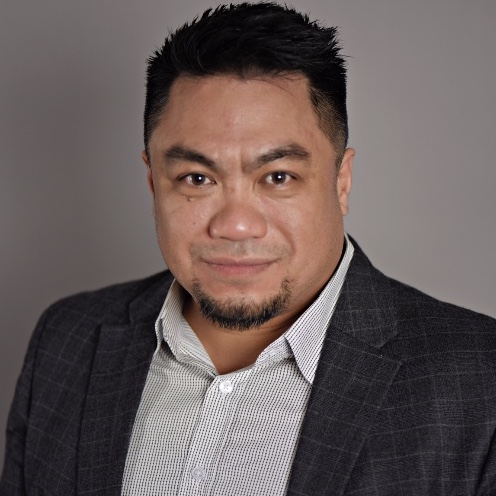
{"x":226,"y":387}
{"x":198,"y":473}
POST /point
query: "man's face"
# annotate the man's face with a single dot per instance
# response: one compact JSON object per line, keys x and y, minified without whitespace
{"x":248,"y":203}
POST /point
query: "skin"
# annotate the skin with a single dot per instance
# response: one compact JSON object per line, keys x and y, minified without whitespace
{"x":248,"y":203}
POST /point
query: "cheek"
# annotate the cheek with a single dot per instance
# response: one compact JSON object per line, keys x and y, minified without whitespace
{"x":309,"y":218}
{"x":180,"y":220}
{"x":314,"y":232}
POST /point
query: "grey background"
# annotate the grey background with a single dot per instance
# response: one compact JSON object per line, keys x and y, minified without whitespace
{"x":75,"y":213}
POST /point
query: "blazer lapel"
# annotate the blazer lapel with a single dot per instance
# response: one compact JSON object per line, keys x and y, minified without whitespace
{"x":351,"y":382}
{"x":118,"y":376}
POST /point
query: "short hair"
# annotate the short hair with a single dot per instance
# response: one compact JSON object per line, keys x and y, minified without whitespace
{"x":251,"y":40}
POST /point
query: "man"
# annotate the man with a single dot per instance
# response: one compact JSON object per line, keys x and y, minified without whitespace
{"x":273,"y":358}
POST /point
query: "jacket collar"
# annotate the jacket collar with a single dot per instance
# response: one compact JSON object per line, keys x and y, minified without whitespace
{"x":146,"y":306}
{"x":366,"y":308}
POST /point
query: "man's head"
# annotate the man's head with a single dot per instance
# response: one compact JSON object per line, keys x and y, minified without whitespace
{"x":250,"y":40}
{"x":246,"y":162}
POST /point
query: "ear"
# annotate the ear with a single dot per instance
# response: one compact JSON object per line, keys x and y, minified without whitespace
{"x":344,"y":179}
{"x":149,"y":176}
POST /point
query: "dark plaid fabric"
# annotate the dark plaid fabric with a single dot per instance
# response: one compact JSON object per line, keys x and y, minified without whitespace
{"x":403,"y":402}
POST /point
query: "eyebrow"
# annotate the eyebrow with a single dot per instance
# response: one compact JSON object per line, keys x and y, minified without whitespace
{"x":287,"y":151}
{"x":180,"y":153}
{"x":292,"y":151}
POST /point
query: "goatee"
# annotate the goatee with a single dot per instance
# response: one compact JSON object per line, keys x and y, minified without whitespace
{"x":243,"y":315}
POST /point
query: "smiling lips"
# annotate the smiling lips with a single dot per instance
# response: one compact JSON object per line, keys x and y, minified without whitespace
{"x":238,"y":267}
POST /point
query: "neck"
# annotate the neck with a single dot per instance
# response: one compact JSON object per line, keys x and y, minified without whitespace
{"x":232,"y":350}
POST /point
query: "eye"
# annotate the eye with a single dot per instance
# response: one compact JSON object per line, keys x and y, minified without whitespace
{"x":278,"y":178}
{"x":196,"y":179}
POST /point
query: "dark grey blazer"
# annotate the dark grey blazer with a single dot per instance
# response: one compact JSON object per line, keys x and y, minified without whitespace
{"x":404,"y":400}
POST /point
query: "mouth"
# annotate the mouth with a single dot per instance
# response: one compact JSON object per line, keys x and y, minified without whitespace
{"x":229,"y":267}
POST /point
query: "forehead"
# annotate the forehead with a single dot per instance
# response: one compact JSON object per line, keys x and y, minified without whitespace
{"x":230,"y":91}
{"x":294,"y":82}
{"x":239,"y":108}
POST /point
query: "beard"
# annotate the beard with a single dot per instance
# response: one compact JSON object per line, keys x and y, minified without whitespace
{"x":241,"y":315}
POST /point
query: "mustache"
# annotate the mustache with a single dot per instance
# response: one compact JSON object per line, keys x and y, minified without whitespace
{"x":239,"y":249}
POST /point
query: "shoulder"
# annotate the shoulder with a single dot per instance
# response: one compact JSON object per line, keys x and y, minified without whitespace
{"x":418,"y":313}
{"x":111,"y":304}
{"x":71,"y":326}
{"x":67,"y":335}
{"x":451,"y":348}
{"x":410,"y":306}
{"x":392,"y":315}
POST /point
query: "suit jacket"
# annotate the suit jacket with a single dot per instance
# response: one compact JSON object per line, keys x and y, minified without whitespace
{"x":403,"y":402}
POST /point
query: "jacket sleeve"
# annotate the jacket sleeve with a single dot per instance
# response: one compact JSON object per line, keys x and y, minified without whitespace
{"x":12,"y":482}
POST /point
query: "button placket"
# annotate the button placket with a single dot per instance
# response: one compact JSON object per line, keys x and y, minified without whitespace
{"x":219,"y":405}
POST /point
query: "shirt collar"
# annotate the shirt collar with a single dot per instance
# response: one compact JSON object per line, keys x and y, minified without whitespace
{"x":304,"y":338}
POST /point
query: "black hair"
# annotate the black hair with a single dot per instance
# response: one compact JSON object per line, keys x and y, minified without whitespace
{"x":250,"y":40}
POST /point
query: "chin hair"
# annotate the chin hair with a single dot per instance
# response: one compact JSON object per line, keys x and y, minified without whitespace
{"x":243,"y":315}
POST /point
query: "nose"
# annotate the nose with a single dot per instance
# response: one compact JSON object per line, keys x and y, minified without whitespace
{"x":237,"y":220}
